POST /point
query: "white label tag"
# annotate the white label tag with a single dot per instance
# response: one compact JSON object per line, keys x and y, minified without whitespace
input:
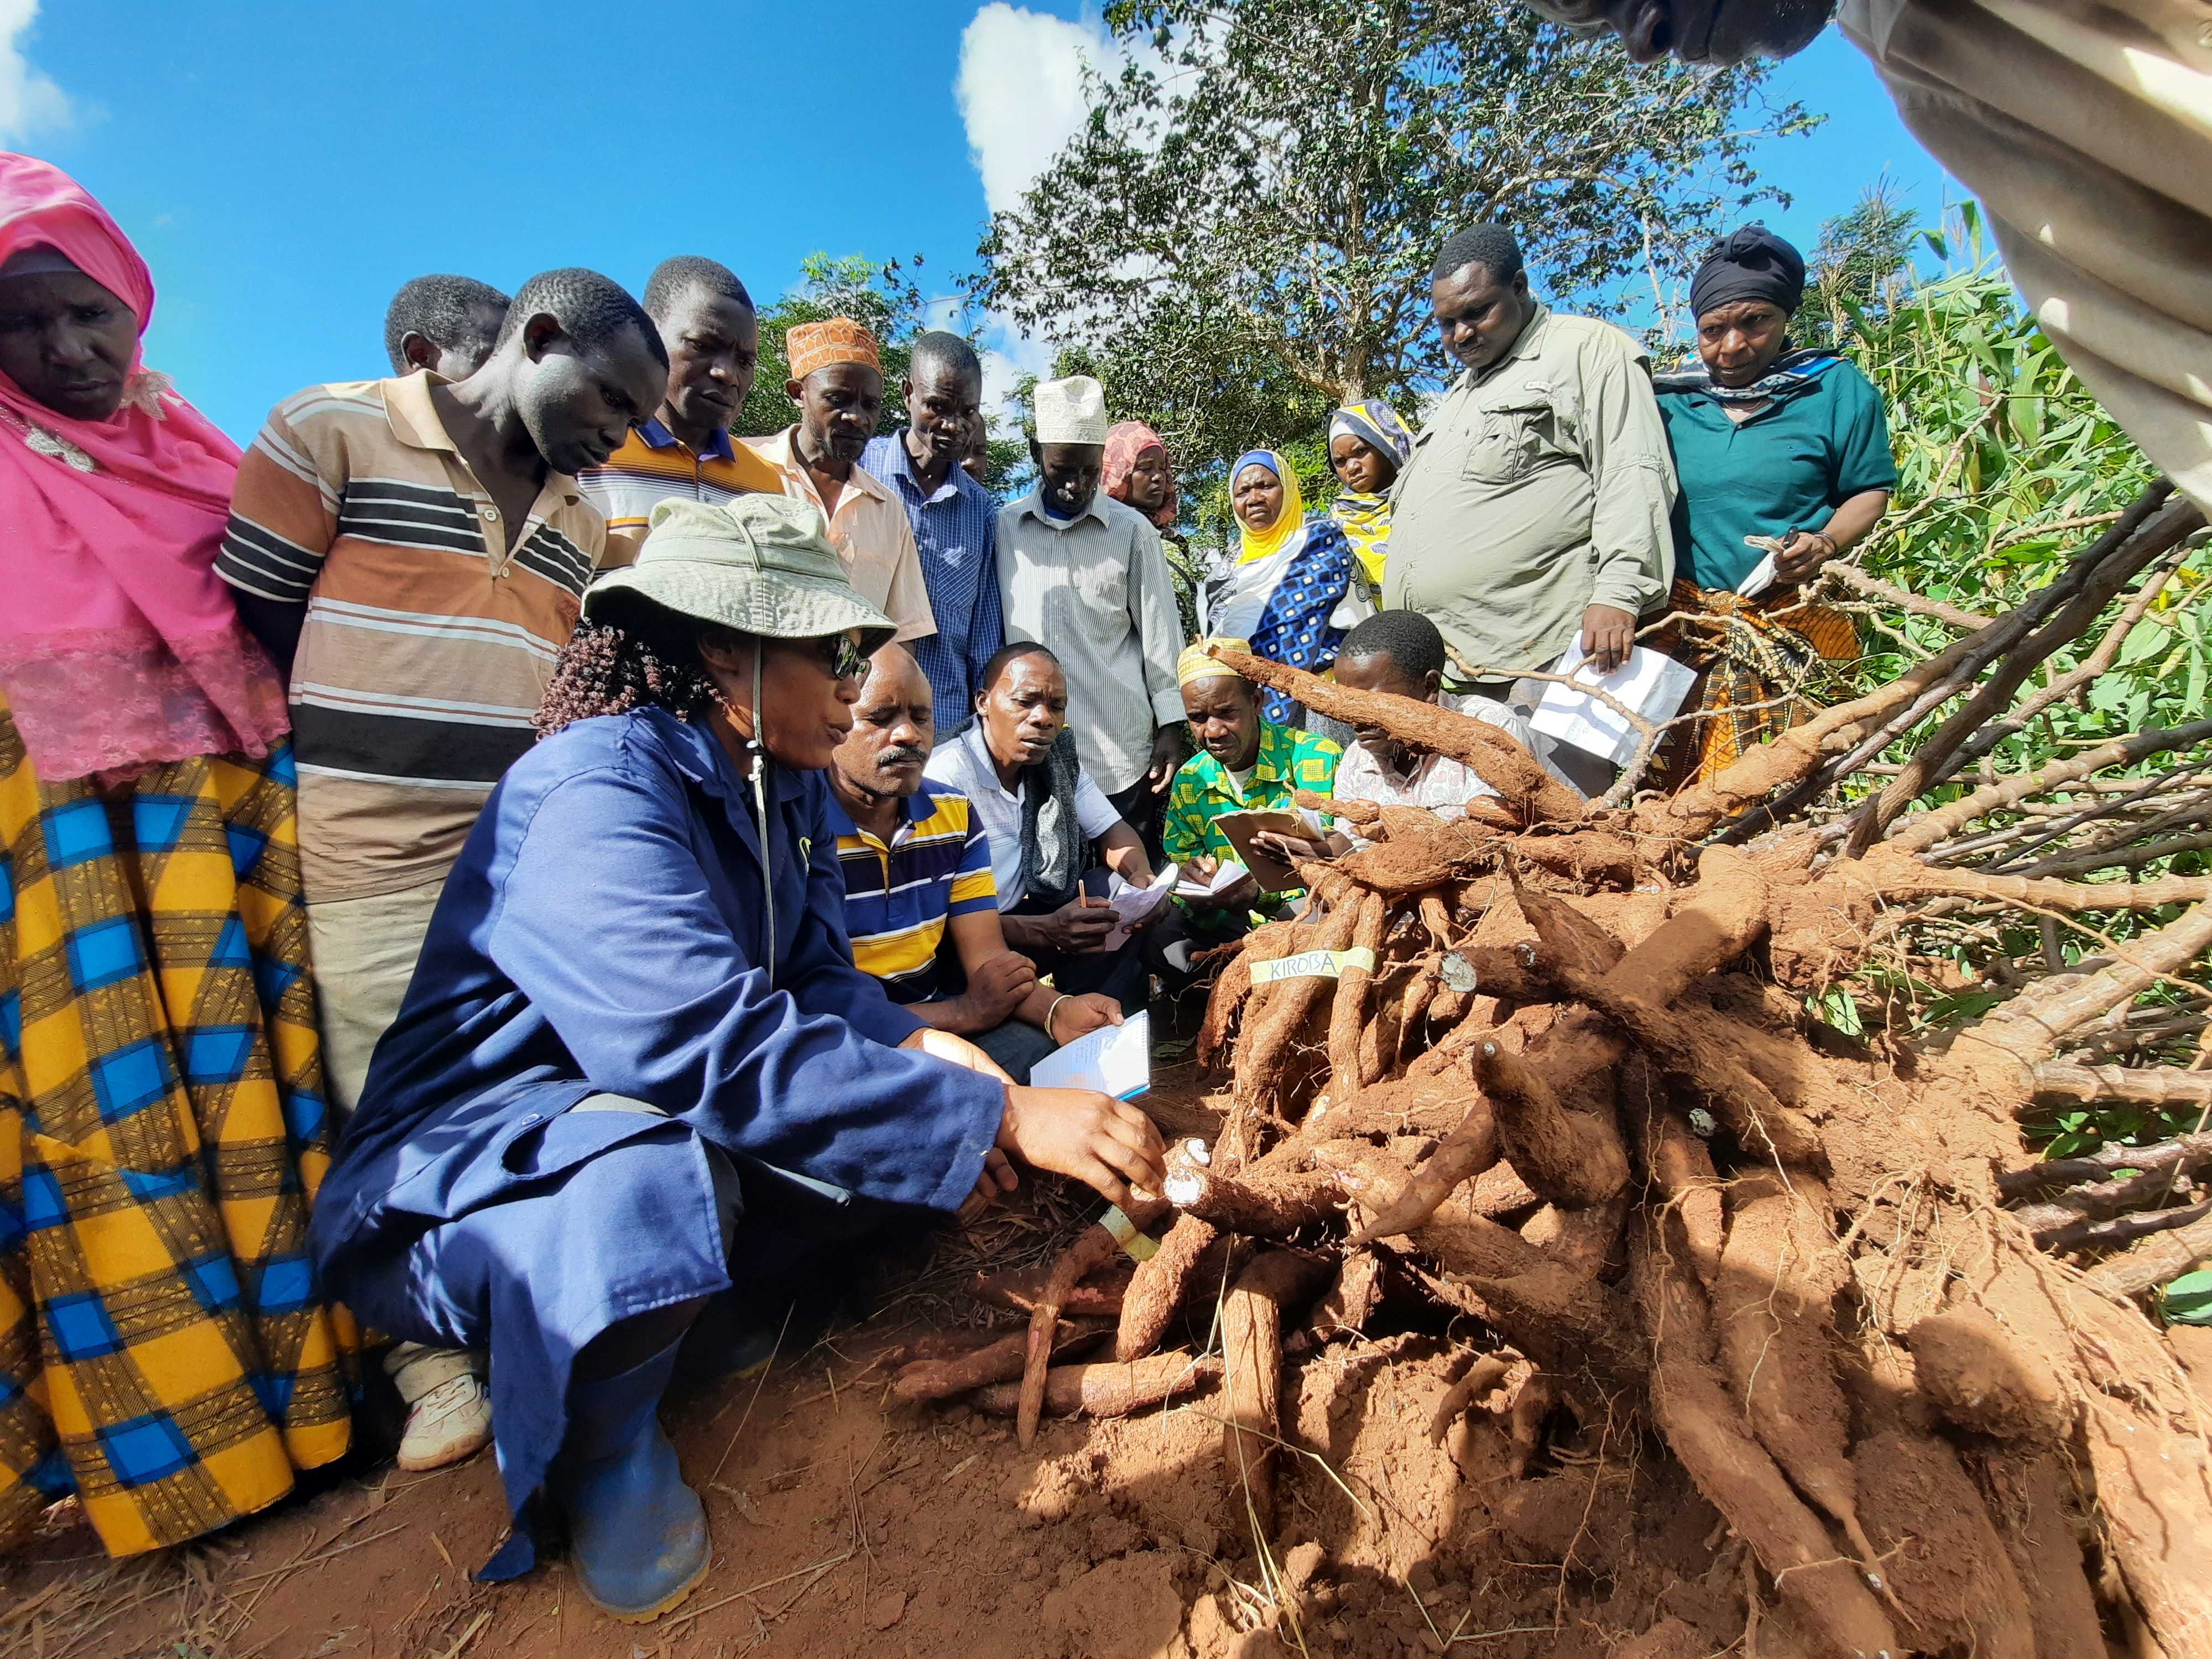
{"x":1313,"y":965}
{"x":1136,"y":1245}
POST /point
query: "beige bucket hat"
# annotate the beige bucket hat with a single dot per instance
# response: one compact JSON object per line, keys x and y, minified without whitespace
{"x":761,"y":564}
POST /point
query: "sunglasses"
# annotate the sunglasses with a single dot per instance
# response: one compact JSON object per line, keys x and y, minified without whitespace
{"x":845,"y":659}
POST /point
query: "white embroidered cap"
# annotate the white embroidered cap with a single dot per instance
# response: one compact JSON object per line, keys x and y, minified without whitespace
{"x":1070,"y":411}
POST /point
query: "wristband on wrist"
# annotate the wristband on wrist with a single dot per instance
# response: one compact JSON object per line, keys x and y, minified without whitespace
{"x":1049,"y":1012}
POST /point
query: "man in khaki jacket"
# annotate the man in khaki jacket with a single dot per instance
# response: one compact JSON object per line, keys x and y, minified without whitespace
{"x":1535,"y":508}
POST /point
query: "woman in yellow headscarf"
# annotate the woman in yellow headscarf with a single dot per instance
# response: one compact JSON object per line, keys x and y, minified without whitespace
{"x":1367,"y":445}
{"x":1296,"y":587}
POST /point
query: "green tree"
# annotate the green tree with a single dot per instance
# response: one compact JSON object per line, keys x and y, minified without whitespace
{"x":1858,"y":271}
{"x":886,"y":300}
{"x":1240,"y":234}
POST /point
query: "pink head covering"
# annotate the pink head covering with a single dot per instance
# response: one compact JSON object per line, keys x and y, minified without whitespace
{"x":119,"y":647}
{"x":1125,"y":441}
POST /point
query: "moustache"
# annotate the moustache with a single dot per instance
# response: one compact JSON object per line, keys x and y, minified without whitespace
{"x":903,"y":755}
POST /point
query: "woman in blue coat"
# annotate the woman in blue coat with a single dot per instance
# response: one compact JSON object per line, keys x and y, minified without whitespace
{"x":636,"y":1031}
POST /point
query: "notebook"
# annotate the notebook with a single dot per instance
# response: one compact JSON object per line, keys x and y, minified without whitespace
{"x":1114,"y":1060}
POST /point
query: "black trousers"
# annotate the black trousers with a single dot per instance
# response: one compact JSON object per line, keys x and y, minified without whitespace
{"x":1169,"y":944}
{"x":1120,"y":974}
{"x":1145,"y":812}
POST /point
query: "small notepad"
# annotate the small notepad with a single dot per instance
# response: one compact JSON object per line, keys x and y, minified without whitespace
{"x":1114,"y":1060}
{"x":1226,"y":875}
{"x":1133,"y":905}
{"x":1650,"y":681}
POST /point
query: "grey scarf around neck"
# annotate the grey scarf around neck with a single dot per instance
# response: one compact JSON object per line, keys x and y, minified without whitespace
{"x":1795,"y":371}
{"x":1052,"y":833}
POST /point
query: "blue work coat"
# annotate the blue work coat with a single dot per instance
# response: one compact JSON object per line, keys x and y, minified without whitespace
{"x":604,"y":932}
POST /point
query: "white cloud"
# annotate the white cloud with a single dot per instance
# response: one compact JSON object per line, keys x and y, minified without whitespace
{"x":29,"y":99}
{"x":1021,"y":93}
{"x":1008,"y":355}
{"x":1020,"y":89}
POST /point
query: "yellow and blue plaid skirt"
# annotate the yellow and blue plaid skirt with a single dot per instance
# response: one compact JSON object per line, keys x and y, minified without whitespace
{"x":164,"y":1350}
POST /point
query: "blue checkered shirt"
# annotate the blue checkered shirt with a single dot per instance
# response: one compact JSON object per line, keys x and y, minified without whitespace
{"x":957,"y":530}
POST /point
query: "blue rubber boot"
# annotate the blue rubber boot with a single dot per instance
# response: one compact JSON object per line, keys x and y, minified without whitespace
{"x":637,"y":1534}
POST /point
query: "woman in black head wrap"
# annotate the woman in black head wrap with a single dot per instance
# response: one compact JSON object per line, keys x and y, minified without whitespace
{"x":1780,"y":451}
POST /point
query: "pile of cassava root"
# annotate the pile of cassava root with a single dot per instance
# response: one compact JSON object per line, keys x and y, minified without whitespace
{"x":1557,"y":1087}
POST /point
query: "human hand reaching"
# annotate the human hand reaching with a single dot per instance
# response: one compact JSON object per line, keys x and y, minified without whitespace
{"x":1801,"y":557}
{"x":996,"y":989}
{"x":1106,"y":1143}
{"x":944,"y":1045}
{"x":1079,"y":925}
{"x":1167,"y":756}
{"x":1072,"y":1016}
{"x":996,"y":1180}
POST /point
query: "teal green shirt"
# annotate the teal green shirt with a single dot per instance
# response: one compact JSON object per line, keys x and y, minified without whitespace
{"x":1786,"y":468}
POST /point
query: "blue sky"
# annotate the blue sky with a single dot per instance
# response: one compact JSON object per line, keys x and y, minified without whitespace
{"x":285,"y":165}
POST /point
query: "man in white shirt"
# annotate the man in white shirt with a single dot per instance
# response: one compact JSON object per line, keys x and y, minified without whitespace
{"x":1085,"y":574}
{"x":1402,"y":653}
{"x":1018,"y":766}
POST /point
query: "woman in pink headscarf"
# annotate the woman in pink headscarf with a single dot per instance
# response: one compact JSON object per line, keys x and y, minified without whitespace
{"x":163,"y":1352}
{"x":1138,"y":473}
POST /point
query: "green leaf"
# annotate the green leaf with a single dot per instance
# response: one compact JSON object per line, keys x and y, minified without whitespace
{"x":2188,"y":1299}
{"x":1838,"y":1008}
{"x":2146,"y":639}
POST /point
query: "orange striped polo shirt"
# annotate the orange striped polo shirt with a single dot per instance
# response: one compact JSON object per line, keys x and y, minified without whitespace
{"x":428,"y":643}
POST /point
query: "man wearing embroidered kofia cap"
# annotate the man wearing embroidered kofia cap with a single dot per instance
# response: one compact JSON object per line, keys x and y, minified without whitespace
{"x":1084,"y":575}
{"x":837,"y":381}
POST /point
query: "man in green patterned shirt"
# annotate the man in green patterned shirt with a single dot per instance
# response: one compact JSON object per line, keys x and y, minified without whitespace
{"x":1243,"y":763}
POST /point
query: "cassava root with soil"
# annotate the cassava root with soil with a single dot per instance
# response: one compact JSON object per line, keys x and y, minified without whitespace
{"x":1577,"y":1122}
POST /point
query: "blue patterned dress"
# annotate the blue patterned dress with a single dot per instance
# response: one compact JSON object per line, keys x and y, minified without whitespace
{"x":1295,"y":604}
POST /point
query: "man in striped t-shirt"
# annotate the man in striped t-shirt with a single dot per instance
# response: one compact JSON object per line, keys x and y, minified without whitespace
{"x":423,"y":545}
{"x":917,"y":869}
{"x":412,"y":552}
{"x":711,"y":336}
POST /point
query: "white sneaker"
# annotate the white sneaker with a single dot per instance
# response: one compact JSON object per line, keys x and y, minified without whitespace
{"x":448,"y":1406}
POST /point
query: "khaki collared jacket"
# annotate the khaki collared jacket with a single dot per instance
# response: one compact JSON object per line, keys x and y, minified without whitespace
{"x":1535,"y":490}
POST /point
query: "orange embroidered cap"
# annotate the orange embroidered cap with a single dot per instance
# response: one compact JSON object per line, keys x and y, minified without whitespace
{"x":838,"y":340}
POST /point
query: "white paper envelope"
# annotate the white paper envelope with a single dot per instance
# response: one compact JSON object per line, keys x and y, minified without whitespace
{"x":1650,"y":681}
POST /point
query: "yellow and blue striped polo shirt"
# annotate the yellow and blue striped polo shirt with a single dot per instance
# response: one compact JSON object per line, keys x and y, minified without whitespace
{"x":898,"y":898}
